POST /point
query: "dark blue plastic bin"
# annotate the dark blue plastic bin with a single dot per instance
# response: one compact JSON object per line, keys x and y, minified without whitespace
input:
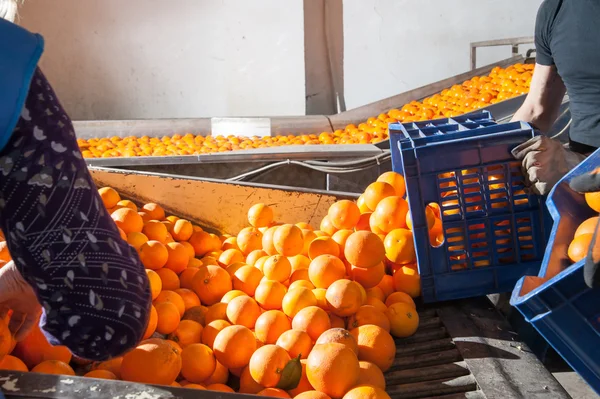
{"x":494,"y":231}
{"x":557,"y":302}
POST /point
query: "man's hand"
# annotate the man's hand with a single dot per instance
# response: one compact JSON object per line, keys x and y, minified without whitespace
{"x":545,"y":161}
{"x":17,"y":295}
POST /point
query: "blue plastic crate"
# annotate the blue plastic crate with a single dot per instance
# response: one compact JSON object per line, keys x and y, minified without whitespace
{"x":495,"y":232}
{"x":557,"y":302}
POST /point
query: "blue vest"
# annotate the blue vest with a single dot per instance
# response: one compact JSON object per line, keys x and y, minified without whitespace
{"x":20,"y":52}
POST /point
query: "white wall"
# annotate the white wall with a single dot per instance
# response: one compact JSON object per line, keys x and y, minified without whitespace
{"x":120,"y":59}
{"x":396,"y":45}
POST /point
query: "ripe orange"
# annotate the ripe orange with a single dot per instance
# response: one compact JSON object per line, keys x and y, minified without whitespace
{"x":296,"y":300}
{"x":400,"y":297}
{"x":270,"y":325}
{"x":396,"y":180}
{"x":190,"y":299}
{"x":312,"y":319}
{"x":155,"y":283}
{"x":404,"y":319}
{"x":113,"y":365}
{"x":332,"y":369}
{"x":268,"y":244}
{"x":269,"y":294}
{"x":368,"y":278}
{"x":188,"y":332}
{"x":278,"y":268}
{"x":324,"y":270}
{"x":153,"y":255}
{"x":400,"y":247}
{"x":219,"y":388}
{"x":344,"y":214}
{"x":370,"y":374}
{"x":308,"y":236}
{"x":231,"y":269}
{"x":154,"y":211}
{"x":267,"y":364}
{"x":155,"y":230}
{"x":171,"y":296}
{"x":375,"y":345}
{"x":249,"y":239}
{"x":167,"y":317}
{"x":232,"y":294}
{"x":408,"y":280}
{"x":178,"y":257}
{"x":299,"y":262}
{"x":211,"y":330}
{"x":364,"y":249}
{"x":217,"y":311}
{"x":128,"y":220}
{"x":587,"y":227}
{"x":59,"y":352}
{"x":255,"y":255}
{"x":364,"y":222}
{"x":274,"y":393}
{"x":101,"y":374}
{"x":321,"y":295}
{"x":136,"y":240}
{"x":429,"y":215}
{"x":197,"y":314}
{"x":233,"y":346}
{"x":247,"y":383}
{"x":368,"y":314}
{"x":304,"y":384}
{"x":246,"y":279}
{"x":197,"y":363}
{"x":13,"y":363}
{"x":578,"y":249}
{"x":295,"y":342}
{"x":312,"y":395}
{"x":219,"y":376}
{"x":110,"y":197}
{"x":199,"y":387}
{"x":327,"y":226}
{"x":152,"y":323}
{"x":387,"y":285}
{"x":390,"y":214}
{"x":323,"y":246}
{"x":260,"y":215}
{"x":301,"y":282}
{"x":243,"y":311}
{"x":376,"y":292}
{"x":593,"y":200}
{"x":377,"y":191}
{"x":288,"y":240}
{"x":53,"y":367}
{"x":204,"y":242}
{"x":168,"y":278}
{"x":210,"y":284}
{"x":340,"y":336}
{"x":231,"y":256}
{"x":182,"y":230}
{"x":154,"y":361}
{"x":366,"y":392}
{"x":187,"y":276}
{"x":344,"y":297}
{"x":362,"y":206}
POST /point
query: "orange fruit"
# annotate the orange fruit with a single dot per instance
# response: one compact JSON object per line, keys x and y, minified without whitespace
{"x":368,"y":278}
{"x":295,"y":342}
{"x":299,"y":262}
{"x":101,"y":374}
{"x":187,"y":276}
{"x":323,"y":246}
{"x":578,"y":249}
{"x":188,"y":332}
{"x":254,"y":256}
{"x":375,"y":292}
{"x":339,"y":336}
{"x":313,"y":320}
{"x":362,"y":206}
{"x":243,"y":311}
{"x":249,"y":239}
{"x":375,"y":192}
{"x":404,"y":319}
{"x":190,"y":299}
{"x":396,"y":180}
{"x":366,"y":392}
{"x":364,"y":222}
{"x":155,"y":230}
{"x":136,"y":240}
{"x":182,"y":230}
{"x":231,"y":256}
{"x":178,"y":257}
{"x":269,"y":294}
{"x":408,"y":280}
{"x":204,"y":242}
{"x":155,"y":283}
{"x":219,"y":376}
{"x":274,"y":393}
{"x":278,"y":268}
{"x":378,"y":304}
{"x":368,"y":314}
{"x":364,"y":249}
{"x":336,"y":321}
{"x":296,"y":300}
{"x":332,"y":369}
{"x":154,"y":361}
{"x":260,"y":215}
{"x":429,"y":215}
{"x":320,"y":294}
{"x":400,"y":297}
{"x":247,"y":383}
{"x":324,"y":270}
{"x":154,"y":211}
{"x":197,"y":314}
{"x":301,"y":282}
{"x":110,"y":197}
{"x":113,"y":365}
{"x":304,"y":384}
{"x":209,"y":333}
{"x":387,"y":285}
{"x":233,"y":346}
{"x":344,"y":297}
{"x":304,"y":226}
{"x":375,"y":345}
{"x":327,"y":226}
{"x":246,"y":279}
{"x":197,"y":363}
{"x":288,"y":240}
{"x":370,"y":374}
{"x":59,"y":352}
{"x":168,"y":278}
{"x":312,"y":395}
{"x":400,"y":247}
{"x":270,"y":325}
{"x":340,"y":237}
{"x":152,"y":323}
{"x":231,"y":269}
{"x":53,"y":367}
{"x":267,"y":241}
{"x":13,"y":363}
{"x":189,"y":249}
{"x":309,"y":236}
{"x":232,"y":294}
{"x":167,"y":317}
{"x":210,"y":284}
{"x":587,"y":227}
{"x":230,"y":243}
{"x":217,"y":311}
{"x":219,"y":388}
{"x":344,"y":214}
{"x":593,"y":200}
{"x":390,"y":214}
{"x":199,"y":387}
{"x":128,"y":220}
{"x":171,"y":296}
{"x":267,"y":364}
{"x":153,"y":255}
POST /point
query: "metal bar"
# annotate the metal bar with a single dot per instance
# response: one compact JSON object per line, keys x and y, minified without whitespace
{"x":504,"y":42}
{"x":418,"y":348}
{"x":431,"y":388}
{"x":450,"y":370}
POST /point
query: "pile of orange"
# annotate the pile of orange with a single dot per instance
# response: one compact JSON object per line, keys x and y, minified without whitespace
{"x":291,"y":310}
{"x":578,"y":249}
{"x":476,"y":93}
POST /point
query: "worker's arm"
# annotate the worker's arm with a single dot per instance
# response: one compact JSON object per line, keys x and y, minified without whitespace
{"x":542,"y":104}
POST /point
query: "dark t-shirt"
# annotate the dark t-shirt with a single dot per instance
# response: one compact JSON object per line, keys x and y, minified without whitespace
{"x":567,"y":34}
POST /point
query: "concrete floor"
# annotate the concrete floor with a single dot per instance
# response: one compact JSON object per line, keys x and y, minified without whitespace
{"x":575,"y":386}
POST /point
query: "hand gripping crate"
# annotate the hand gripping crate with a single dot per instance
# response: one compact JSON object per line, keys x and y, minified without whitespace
{"x":557,"y":302}
{"x":494,"y":231}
